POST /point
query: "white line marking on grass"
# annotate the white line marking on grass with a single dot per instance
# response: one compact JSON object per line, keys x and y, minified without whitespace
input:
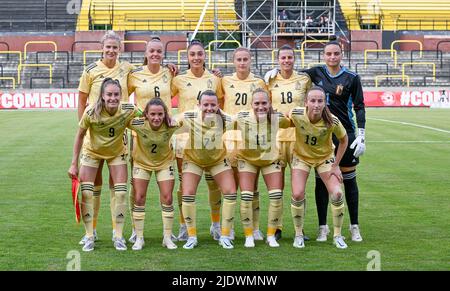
{"x":412,"y":124}
{"x":409,"y":141}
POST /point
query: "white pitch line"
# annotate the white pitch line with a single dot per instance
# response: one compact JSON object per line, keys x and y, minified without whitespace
{"x":412,"y":124}
{"x":408,"y":141}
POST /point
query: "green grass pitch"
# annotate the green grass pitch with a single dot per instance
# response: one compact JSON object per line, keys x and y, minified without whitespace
{"x":404,"y":205}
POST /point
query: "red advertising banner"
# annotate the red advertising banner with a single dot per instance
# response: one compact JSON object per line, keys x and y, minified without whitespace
{"x":405,"y":98}
{"x":28,"y":99}
{"x":38,"y":100}
{"x":68,"y":99}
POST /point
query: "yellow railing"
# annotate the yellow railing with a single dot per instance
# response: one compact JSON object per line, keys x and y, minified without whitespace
{"x":39,"y":42}
{"x":14,"y":52}
{"x":408,"y":41}
{"x":88,"y":52}
{"x":10,"y":78}
{"x":392,"y":76}
{"x":218,"y":41}
{"x":19,"y":68}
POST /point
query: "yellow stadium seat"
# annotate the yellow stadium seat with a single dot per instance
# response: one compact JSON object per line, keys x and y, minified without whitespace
{"x":396,"y":14}
{"x":155,"y":15}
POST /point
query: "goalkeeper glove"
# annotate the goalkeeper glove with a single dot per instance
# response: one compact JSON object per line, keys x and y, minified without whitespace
{"x":270,"y":75}
{"x":358,"y":143}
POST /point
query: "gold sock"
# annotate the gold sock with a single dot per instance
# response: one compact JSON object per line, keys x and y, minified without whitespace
{"x":87,"y":207}
{"x":247,"y":212}
{"x":298,"y":211}
{"x":120,"y":191}
{"x":139,"y":219}
{"x":131,"y":202}
{"x":167,"y":213}
{"x":215,"y":198}
{"x":97,"y":192}
{"x":337,"y":210}
{"x":255,"y":207}
{"x":228,"y":209}
{"x":112,"y":205}
{"x":189,"y":212}
{"x":275,"y":202}
{"x":180,"y":200}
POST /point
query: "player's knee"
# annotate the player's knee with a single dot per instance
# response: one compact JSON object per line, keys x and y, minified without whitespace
{"x":166,"y":198}
{"x":139,"y":199}
{"x":299,"y":195}
{"x":336,"y":195}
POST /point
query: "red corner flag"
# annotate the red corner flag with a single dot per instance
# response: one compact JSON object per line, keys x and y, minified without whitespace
{"x":76,"y":203}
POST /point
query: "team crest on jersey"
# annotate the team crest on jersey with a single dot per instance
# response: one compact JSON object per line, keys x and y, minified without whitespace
{"x":232,"y":86}
{"x":276,"y":86}
{"x":339,"y":89}
{"x":144,"y":81}
{"x":165,"y":79}
{"x":252,"y":87}
{"x":298,"y":86}
{"x":189,"y":85}
{"x":209,"y":84}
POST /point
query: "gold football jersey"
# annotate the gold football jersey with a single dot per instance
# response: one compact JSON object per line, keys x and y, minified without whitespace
{"x":258,"y":145}
{"x":92,"y":78}
{"x":153,"y":149}
{"x":287,"y":94}
{"x":105,"y":138}
{"x":189,"y":88}
{"x":238,"y":93}
{"x":314,"y":141}
{"x":238,"y":97}
{"x":205,"y":146}
{"x":147,"y":85}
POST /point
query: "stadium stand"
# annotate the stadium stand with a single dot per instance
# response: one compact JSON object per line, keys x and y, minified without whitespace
{"x":151,"y":15}
{"x":36,"y":15}
{"x":396,"y":15}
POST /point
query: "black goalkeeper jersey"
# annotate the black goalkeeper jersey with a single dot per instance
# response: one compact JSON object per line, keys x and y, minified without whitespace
{"x":343,"y":91}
